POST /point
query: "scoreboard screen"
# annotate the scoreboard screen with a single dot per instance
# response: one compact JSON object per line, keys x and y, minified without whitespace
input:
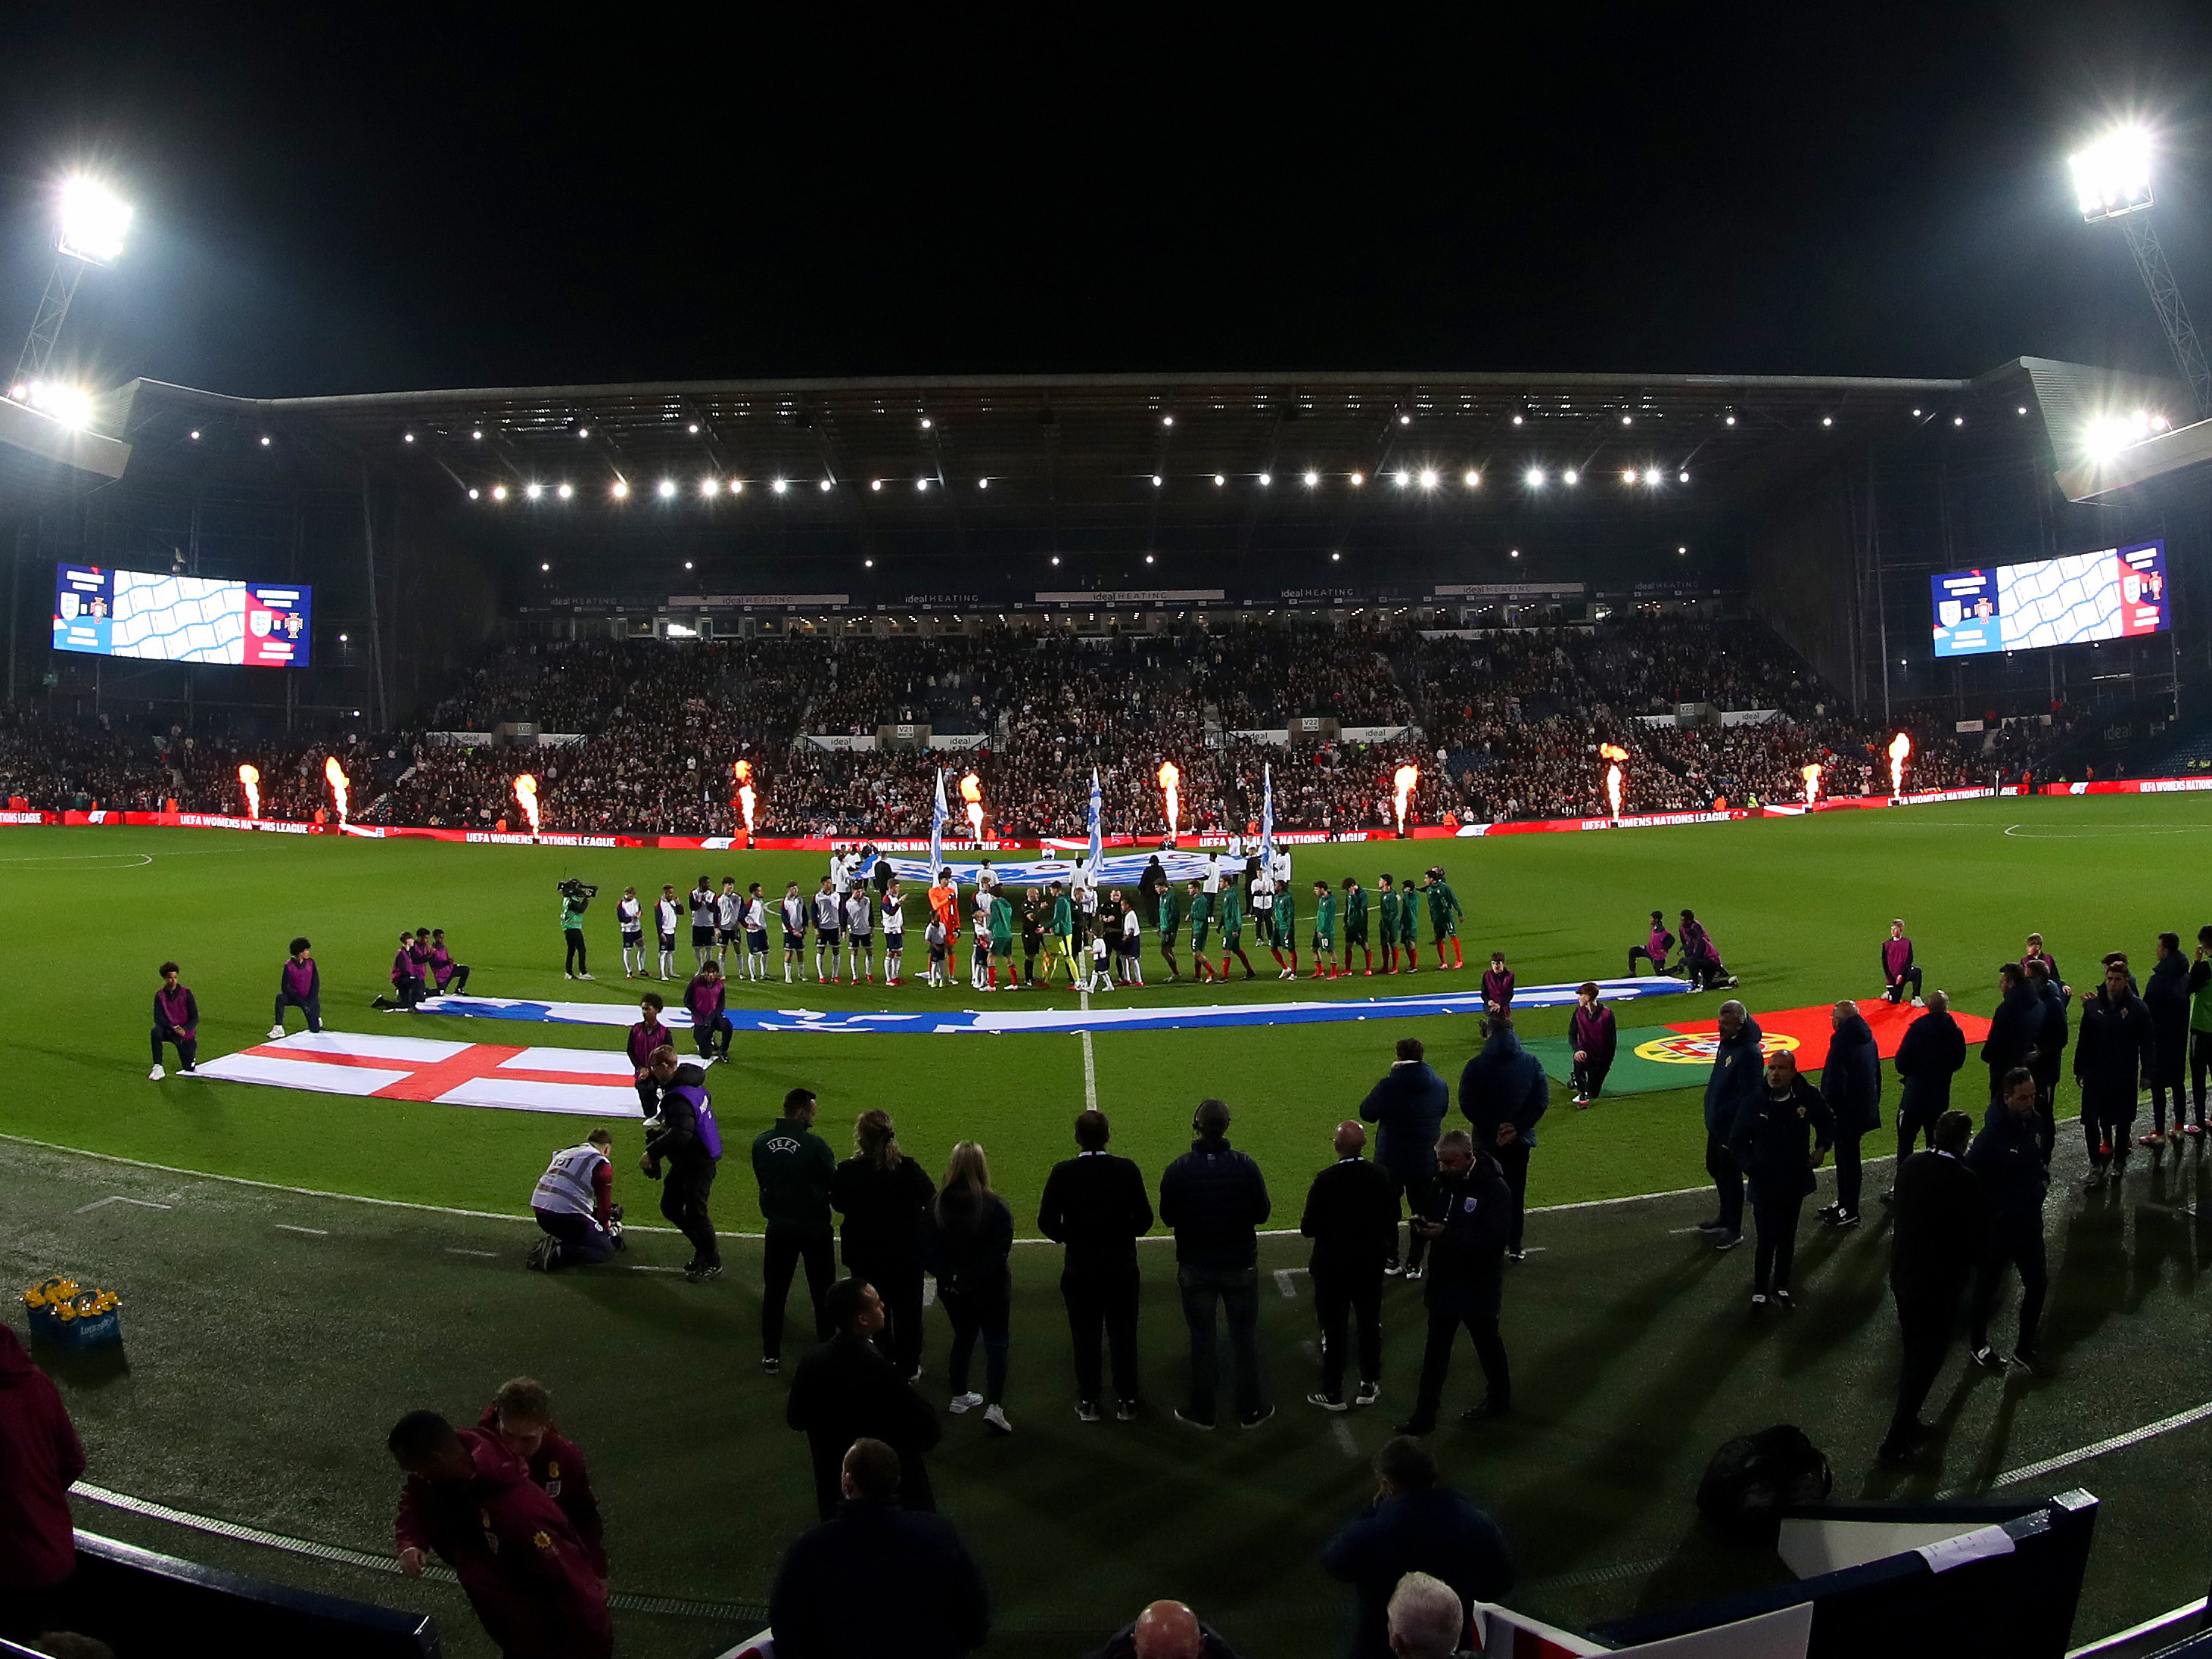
{"x":2115,"y":593}
{"x":166,"y":619}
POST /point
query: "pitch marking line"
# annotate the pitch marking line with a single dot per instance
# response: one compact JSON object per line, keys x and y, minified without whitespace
{"x":118,"y":1198}
{"x":456,"y":1249}
{"x":1283,"y":1276}
{"x":2083,"y":1454}
{"x":311,"y":1232}
{"x":1342,"y":1430}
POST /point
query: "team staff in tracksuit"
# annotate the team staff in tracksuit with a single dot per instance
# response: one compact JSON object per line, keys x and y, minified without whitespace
{"x":1095,"y":1204}
{"x":2008,"y":1156}
{"x":1781,"y":1136}
{"x":691,"y":1142}
{"x":1468,"y":1221}
{"x":1737,"y":1076}
{"x":2116,"y":1051}
{"x":1504,"y":1092}
{"x":795,"y":1167}
{"x":2049,"y":1064}
{"x":2166,"y":993}
{"x":1850,"y":1083}
{"x":1408,"y":1105}
{"x":1351,"y":1216}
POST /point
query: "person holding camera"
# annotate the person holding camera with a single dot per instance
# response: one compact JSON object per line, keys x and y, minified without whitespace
{"x":576,"y":897}
{"x":691,"y":1142}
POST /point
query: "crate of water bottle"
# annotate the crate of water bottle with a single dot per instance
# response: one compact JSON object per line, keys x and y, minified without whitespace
{"x":73,"y":1316}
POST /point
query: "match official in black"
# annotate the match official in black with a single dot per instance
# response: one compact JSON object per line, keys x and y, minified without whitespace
{"x":1096,"y":1205}
{"x":1939,"y":1227}
{"x":1351,"y":1216}
{"x":793,"y":1166}
{"x":1469,"y":1220}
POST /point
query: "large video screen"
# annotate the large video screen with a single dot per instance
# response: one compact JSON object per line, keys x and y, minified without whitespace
{"x":2114,"y":594}
{"x":139,"y":613}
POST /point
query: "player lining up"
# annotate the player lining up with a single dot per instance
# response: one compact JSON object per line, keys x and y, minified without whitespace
{"x":702,"y":923}
{"x":1355,"y":928}
{"x":894,"y":931}
{"x":629,"y":916}
{"x":1324,"y":933}
{"x":860,"y":936}
{"x":729,"y":923}
{"x":756,"y":926}
{"x":979,"y":958}
{"x":792,"y":910}
{"x":666,"y":915}
{"x":827,"y":915}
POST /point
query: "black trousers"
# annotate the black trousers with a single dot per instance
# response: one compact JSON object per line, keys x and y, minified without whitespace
{"x":1912,"y":1124}
{"x":987,"y":1314}
{"x":1590,"y":1079}
{"x":1341,"y":1295}
{"x":704,"y":1036}
{"x":1776,"y":1219}
{"x":456,"y":982}
{"x":1635,"y":951}
{"x":583,"y":1242}
{"x":786,"y":1250}
{"x":1910,"y":977}
{"x":1235,"y":1292}
{"x":1926,"y":1319}
{"x":312,"y":1006}
{"x":2019,"y":1247}
{"x":1444,"y":1327}
{"x":899,"y":1284}
{"x":2160,"y":1087}
{"x":683,"y":1192}
{"x":1728,"y":1182}
{"x":188,"y":1049}
{"x":1514,"y":1160}
{"x":2109,"y":1128}
{"x":1102,"y":1316}
{"x":1850,"y":1174}
{"x":1415,"y":1192}
{"x":574,"y":938}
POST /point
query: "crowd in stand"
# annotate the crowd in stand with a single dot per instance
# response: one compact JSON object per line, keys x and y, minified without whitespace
{"x":1503,"y":725}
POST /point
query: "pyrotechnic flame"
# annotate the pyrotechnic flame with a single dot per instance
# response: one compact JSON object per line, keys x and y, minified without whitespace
{"x":1613,"y":752}
{"x":1811,"y":776}
{"x":526,"y":797}
{"x":1616,"y":754}
{"x":341,"y":786}
{"x":1900,"y":748}
{"x":1401,"y":790}
{"x":1171,"y":784}
{"x":744,"y":772}
{"x":971,"y":791}
{"x":249,"y":779}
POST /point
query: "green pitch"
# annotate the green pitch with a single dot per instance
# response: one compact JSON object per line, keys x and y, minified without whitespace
{"x":1631,"y":1349}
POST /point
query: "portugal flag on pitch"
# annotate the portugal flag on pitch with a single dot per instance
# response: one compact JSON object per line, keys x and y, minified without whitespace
{"x":581,"y":1082}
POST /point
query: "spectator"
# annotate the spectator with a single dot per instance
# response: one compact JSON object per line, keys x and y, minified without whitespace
{"x":1426,"y":1619}
{"x":1938,"y":1229}
{"x":1095,"y":1204}
{"x":1166,"y":1630}
{"x":874,"y":1579}
{"x":1850,"y":1082}
{"x":1469,"y":1220}
{"x":794,"y":1168}
{"x":1415,"y":1525}
{"x":470,"y":1500}
{"x":972,"y":1237}
{"x":1503,"y":1092}
{"x":1408,"y":1105}
{"x":42,"y":1458}
{"x":883,"y":1196}
{"x":1351,"y":1216}
{"x":1215,"y":1198}
{"x":846,"y":1390}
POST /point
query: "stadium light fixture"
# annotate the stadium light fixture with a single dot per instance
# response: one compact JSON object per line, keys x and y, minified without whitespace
{"x":686,"y":564}
{"x":779,"y":486}
{"x":1651,"y":476}
{"x":1358,"y":479}
{"x":1830,"y":420}
{"x":1474,"y":479}
{"x":1267,"y":478}
{"x":265,"y":440}
{"x":1681,"y":477}
{"x":619,"y":490}
{"x":473,"y":492}
{"x":1148,"y":558}
{"x":1535,"y":477}
{"x":1728,"y":420}
{"x":1515,"y":553}
{"x":1333,"y":557}
{"x":1405,"y":420}
{"x":736,"y":486}
{"x":826,"y":485}
{"x":1428,"y":477}
{"x":196,"y":436}
{"x":926,"y":423}
{"x":867,"y":564}
{"x":1681,"y":549}
{"x":1517,"y":420}
{"x":875,"y":483}
{"x":922,"y":483}
{"x":1157,"y":481}
{"x":93,"y":221}
{"x":1220,"y":480}
{"x":70,"y":405}
{"x":499,"y":492}
{"x":343,"y":638}
{"x":477,"y":433}
{"x":409,"y":438}
{"x":2113,"y":176}
{"x":583,"y":432}
{"x":1628,"y":420}
{"x":709,"y":487}
{"x":1167,"y":420}
{"x":1055,"y":558}
{"x":665,"y":489}
{"x":533,"y":491}
{"x":1628,"y":474}
{"x":982,"y":483}
{"x":1570,"y":477}
{"x":1312,"y":478}
{"x":545,"y":567}
{"x":693,"y":428}
{"x":1402,"y":477}
{"x":565,"y":491}
{"x":1958,"y":420}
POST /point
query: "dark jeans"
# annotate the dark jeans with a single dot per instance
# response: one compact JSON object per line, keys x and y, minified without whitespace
{"x":1415,"y":1192}
{"x":188,"y":1049}
{"x":1777,"y":1251}
{"x":1925,"y":1320}
{"x":1102,"y":1313}
{"x":1590,"y":1079}
{"x":1911,"y":1126}
{"x":1911,"y":976}
{"x":1341,"y":1295}
{"x":1728,"y":1182}
{"x":1850,"y":1174}
{"x":683,"y":1191}
{"x":648,"y":1094}
{"x":1444,"y":1325}
{"x":1237,"y":1292}
{"x":785,"y":1251}
{"x":2108,"y":1121}
{"x":899,"y":1284}
{"x":574,"y":938}
{"x":2024,"y":1250}
{"x":406,"y":992}
{"x":583,"y":1242}
{"x":985,"y":1313}
{"x":2159,"y":1089}
{"x":455,"y":981}
{"x":704,"y":1035}
{"x":1637,"y":952}
{"x":1514,"y":1160}
{"x":312,"y":1006}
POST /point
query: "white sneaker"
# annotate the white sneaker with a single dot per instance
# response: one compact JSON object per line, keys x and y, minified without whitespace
{"x":962,"y":1403}
{"x":583,"y":976}
{"x":276,"y":1031}
{"x":155,"y":1075}
{"x":996,"y":1418}
{"x":1918,"y":1003}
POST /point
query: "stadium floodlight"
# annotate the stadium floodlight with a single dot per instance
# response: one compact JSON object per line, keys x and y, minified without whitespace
{"x":1474,"y":479}
{"x":779,"y":486}
{"x":1219,"y":480}
{"x":1267,"y":478}
{"x":476,"y":434}
{"x":1827,"y":420}
{"x":826,"y":485}
{"x":1628,"y":420}
{"x":2108,"y":434}
{"x":1628,"y":474}
{"x":1428,"y":477}
{"x":545,"y":566}
{"x":1514,"y":553}
{"x":1402,"y":477}
{"x":926,"y":423}
{"x":1517,"y":420}
{"x":409,"y":438}
{"x":2113,"y":176}
{"x":1358,"y":479}
{"x":686,"y":564}
{"x":1312,"y":478}
{"x":1333,"y":557}
{"x":2112,"y":181}
{"x":708,"y":486}
{"x":265,"y":440}
{"x":1148,"y":558}
{"x":922,"y":483}
{"x":583,"y":432}
{"x":1570,"y":477}
{"x":1055,"y":558}
{"x":499,"y":492}
{"x":1405,"y":420}
{"x":1157,"y":481}
{"x":875,"y":483}
{"x":195,"y":434}
{"x":620,"y":489}
{"x":665,"y":489}
{"x":1651,"y":476}
{"x":1681,"y":477}
{"x":474,"y":493}
{"x":982,"y":483}
{"x":70,"y":405}
{"x":692,"y":427}
{"x":1167,"y":420}
{"x":1534,"y":476}
{"x":565,"y":491}
{"x":93,"y":221}
{"x":533,"y":491}
{"x":1728,"y":420}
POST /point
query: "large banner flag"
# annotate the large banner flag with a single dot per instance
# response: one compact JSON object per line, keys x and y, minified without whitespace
{"x":937,"y":829}
{"x":1267,"y":816}
{"x":1097,"y":840}
{"x":581,"y":1082}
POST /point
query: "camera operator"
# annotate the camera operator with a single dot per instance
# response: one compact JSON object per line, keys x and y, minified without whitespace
{"x":575,"y":898}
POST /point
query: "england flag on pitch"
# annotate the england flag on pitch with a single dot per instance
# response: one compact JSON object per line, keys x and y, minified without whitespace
{"x":581,"y":1082}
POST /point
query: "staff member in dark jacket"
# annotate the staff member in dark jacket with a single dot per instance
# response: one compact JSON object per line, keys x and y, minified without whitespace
{"x":1737,"y":1076}
{"x":1096,"y":1205}
{"x":1215,"y":1198}
{"x":1503,"y":1091}
{"x":1408,"y":1105}
{"x":2007,"y":1157}
{"x":795,"y":1167}
{"x":1850,"y":1082}
{"x":1413,"y":1524}
{"x":1351,"y":1216}
{"x":1470,"y":1216}
{"x":883,"y":1195}
{"x":2048,"y":1063}
{"x":970,"y":1237}
{"x":1937,"y":1231}
{"x":1593,"y":1038}
{"x":690,"y":1140}
{"x":873,"y":1579}
{"x":2166,"y":993}
{"x":846,"y":1389}
{"x":2014,"y":1028}
{"x":1780,"y":1140}
{"x":1931,"y":1054}
{"x":2116,"y":1051}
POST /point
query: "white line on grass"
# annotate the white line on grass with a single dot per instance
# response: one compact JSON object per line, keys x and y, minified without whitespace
{"x":456,"y":1249}
{"x":1342,"y":1430}
{"x":118,"y":1198}
{"x":312,"y":1232}
{"x":1090,"y":1064}
{"x":2083,"y":1454}
{"x":1283,"y":1282}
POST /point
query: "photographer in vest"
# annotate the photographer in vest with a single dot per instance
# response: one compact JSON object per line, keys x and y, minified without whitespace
{"x":691,"y":1142}
{"x":574,"y":1205}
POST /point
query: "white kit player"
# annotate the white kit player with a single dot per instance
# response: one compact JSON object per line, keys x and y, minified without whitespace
{"x":894,"y":931}
{"x":794,"y":914}
{"x":1133,"y":964}
{"x":703,"y":922}
{"x":979,"y":958}
{"x":729,"y":921}
{"x":859,"y":935}
{"x":755,"y":919}
{"x":629,"y":916}
{"x":828,"y":915}
{"x":666,"y":914}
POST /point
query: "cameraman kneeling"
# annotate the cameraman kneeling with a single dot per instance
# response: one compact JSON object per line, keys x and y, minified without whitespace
{"x":574,"y":1204}
{"x":691,"y":1141}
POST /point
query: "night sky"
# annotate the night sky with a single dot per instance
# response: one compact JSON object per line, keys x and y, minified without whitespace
{"x":586,"y":195}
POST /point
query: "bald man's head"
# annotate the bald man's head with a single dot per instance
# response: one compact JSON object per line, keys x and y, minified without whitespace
{"x":1168,"y":1630}
{"x":1351,"y":1138}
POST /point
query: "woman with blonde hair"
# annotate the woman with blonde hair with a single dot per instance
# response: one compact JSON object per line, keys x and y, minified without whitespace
{"x":972,"y":1236}
{"x":883,"y":1197}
